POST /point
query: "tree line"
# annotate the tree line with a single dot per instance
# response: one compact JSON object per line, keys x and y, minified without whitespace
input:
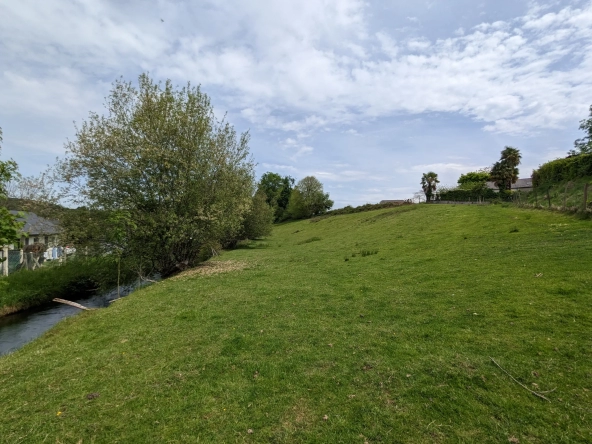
{"x":502,"y":173}
{"x":159,"y":181}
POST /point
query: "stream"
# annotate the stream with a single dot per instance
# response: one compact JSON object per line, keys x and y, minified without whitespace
{"x":20,"y":328}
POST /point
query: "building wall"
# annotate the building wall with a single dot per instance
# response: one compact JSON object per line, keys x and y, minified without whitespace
{"x":50,"y":240}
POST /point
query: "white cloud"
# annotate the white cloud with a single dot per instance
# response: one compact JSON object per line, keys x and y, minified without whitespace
{"x":444,"y":168}
{"x":301,"y":151}
{"x":303,"y":66}
{"x":298,"y":72}
{"x":275,"y":166}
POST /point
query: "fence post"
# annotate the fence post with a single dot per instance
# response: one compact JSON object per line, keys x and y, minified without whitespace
{"x":5,"y":263}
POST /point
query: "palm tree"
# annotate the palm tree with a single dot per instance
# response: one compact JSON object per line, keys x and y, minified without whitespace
{"x":505,"y":172}
{"x":428,"y":184}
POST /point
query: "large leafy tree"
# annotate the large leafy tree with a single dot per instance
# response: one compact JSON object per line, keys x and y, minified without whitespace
{"x":473,"y":177}
{"x":9,"y":226}
{"x":158,"y":176}
{"x":474,"y":182}
{"x":429,"y":182}
{"x":308,"y":199}
{"x":258,"y":221}
{"x":584,"y":145}
{"x":284,"y":198}
{"x":505,"y":172}
{"x":277,"y":190}
{"x":271,"y":184}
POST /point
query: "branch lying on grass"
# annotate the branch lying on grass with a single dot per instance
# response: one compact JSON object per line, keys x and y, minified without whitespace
{"x":522,"y":385}
{"x":73,"y":304}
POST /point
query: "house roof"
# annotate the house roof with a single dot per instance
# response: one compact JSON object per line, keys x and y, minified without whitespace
{"x":37,"y":225}
{"x":520,"y":183}
{"x":523,"y":183}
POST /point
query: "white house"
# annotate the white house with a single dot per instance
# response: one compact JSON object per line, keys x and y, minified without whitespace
{"x":37,"y":230}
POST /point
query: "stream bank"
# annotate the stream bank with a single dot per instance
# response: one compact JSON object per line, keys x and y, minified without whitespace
{"x":22,"y":327}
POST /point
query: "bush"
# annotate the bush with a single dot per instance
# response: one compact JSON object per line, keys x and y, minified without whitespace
{"x":560,"y":170}
{"x":460,"y":194}
{"x":259,"y":220}
{"x":75,"y":278}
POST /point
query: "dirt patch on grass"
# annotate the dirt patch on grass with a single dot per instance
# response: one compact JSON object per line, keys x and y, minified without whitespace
{"x":209,"y":268}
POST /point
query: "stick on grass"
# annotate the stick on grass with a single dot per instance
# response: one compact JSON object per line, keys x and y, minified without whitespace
{"x":522,"y":385}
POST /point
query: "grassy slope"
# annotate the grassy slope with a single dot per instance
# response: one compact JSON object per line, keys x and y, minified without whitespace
{"x":573,"y":195}
{"x":392,"y":347}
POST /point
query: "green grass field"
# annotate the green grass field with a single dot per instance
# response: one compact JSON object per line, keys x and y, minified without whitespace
{"x":372,"y":327}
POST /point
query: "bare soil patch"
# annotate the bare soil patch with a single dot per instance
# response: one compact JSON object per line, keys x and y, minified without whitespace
{"x":209,"y":268}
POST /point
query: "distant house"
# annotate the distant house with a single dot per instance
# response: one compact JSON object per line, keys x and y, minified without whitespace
{"x":37,"y":230}
{"x":520,"y":185}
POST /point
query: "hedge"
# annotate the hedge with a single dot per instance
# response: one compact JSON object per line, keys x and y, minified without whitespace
{"x":561,"y":170}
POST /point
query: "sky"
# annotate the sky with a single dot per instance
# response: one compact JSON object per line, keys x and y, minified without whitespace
{"x":364,"y":95}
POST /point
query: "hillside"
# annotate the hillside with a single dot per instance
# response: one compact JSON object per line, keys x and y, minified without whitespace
{"x":370,"y":327}
{"x":568,"y":193}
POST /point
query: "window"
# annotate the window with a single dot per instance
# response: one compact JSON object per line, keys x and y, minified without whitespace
{"x":26,"y":241}
{"x":35,"y":240}
{"x":46,"y":240}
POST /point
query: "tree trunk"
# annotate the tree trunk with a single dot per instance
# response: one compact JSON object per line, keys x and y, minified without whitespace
{"x":585,"y":202}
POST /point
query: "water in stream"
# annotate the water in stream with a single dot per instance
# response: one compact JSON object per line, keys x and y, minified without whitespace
{"x":22,"y":327}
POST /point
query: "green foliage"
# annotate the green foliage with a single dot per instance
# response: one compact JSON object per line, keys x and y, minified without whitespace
{"x":284,"y":198}
{"x":473,"y":177}
{"x":9,"y":226}
{"x":467,"y":193}
{"x":505,"y":172}
{"x":308,"y":199}
{"x":271,"y":184}
{"x":277,"y":190}
{"x":429,"y":183}
{"x":159,"y":176}
{"x":560,"y":170}
{"x":24,"y":289}
{"x":258,"y":221}
{"x":584,"y":145}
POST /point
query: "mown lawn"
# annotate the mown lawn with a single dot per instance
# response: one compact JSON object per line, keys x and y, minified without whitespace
{"x":313,"y":341}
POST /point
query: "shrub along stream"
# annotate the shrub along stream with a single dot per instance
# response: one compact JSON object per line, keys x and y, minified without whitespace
{"x":74,"y":279}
